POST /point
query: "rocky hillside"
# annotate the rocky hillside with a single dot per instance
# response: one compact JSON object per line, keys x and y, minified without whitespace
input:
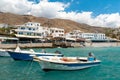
{"x":68,"y":25}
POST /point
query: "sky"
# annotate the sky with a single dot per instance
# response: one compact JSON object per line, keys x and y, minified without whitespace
{"x":103,"y":13}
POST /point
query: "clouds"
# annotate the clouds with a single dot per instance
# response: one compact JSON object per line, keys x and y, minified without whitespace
{"x":48,"y":9}
{"x":15,"y":6}
{"x":45,"y":8}
{"x":107,"y":20}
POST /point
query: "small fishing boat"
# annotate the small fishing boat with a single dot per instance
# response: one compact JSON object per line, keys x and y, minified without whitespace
{"x":66,"y":63}
{"x":19,"y":54}
{"x":4,"y":53}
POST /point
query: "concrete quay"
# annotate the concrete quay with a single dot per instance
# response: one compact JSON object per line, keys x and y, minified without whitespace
{"x":65,"y":45}
{"x":26,"y":45}
{"x":103,"y":44}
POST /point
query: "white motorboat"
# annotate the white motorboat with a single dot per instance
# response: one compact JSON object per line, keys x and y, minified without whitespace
{"x":66,"y":63}
{"x":3,"y":52}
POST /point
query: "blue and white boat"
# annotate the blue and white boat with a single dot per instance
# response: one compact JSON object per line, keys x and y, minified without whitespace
{"x":66,"y":63}
{"x":28,"y":55}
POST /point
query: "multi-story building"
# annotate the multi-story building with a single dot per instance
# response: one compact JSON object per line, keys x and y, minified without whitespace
{"x":74,"y":35}
{"x":32,"y":30}
{"x":94,"y":36}
{"x":57,"y":32}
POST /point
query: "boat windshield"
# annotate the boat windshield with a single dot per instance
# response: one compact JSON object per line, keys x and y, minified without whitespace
{"x":17,"y":49}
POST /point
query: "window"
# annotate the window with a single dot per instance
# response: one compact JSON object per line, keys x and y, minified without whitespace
{"x":28,"y":33}
{"x":33,"y":29}
{"x":29,"y":28}
{"x":56,"y":31}
{"x":20,"y":32}
{"x":52,"y":31}
{"x":22,"y":28}
{"x":39,"y":34}
{"x":37,"y":24}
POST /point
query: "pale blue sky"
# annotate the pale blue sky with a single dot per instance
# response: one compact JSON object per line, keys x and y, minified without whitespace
{"x":96,"y":6}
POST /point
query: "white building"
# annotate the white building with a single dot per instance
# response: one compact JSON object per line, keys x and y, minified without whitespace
{"x":94,"y":36}
{"x":4,"y":25}
{"x":32,"y":30}
{"x":73,"y":35}
{"x":57,"y":32}
{"x":77,"y":34}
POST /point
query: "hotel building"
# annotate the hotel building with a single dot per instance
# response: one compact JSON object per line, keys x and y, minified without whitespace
{"x":33,"y":31}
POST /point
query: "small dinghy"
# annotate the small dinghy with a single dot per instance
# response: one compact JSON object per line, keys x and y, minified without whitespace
{"x":4,"y":53}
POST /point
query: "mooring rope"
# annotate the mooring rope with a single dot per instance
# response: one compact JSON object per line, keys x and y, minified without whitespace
{"x":28,"y":71}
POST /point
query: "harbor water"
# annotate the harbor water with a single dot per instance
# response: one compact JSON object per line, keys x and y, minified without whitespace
{"x":109,"y":69}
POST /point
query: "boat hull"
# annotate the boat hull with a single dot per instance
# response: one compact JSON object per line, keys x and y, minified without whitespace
{"x":20,"y":56}
{"x":63,"y":66}
{"x":66,"y":63}
{"x":27,"y":56}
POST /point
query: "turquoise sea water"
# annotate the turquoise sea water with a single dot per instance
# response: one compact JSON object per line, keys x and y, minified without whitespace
{"x":109,"y":69}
